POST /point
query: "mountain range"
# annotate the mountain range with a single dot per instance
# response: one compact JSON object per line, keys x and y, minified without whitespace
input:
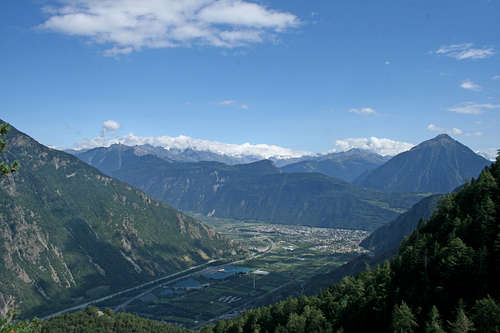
{"x":343,"y":165}
{"x":69,"y":232}
{"x":444,"y":278}
{"x":255,"y":191}
{"x":438,"y":165}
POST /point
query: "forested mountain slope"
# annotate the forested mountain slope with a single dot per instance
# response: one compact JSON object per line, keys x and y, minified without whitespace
{"x":69,"y":232}
{"x":389,"y":236}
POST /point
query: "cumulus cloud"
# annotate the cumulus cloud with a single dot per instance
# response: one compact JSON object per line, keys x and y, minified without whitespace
{"x":185,"y":142}
{"x":469,"y":85}
{"x":453,"y":131}
{"x":496,"y":77}
{"x":109,"y":126}
{"x":124,"y":26}
{"x":380,"y":146}
{"x":434,"y":128}
{"x":363,"y":111}
{"x":473,"y":108}
{"x":465,"y":51}
{"x":244,"y":106}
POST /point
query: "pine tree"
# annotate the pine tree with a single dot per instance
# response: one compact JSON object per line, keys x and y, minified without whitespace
{"x":462,"y":323}
{"x":434,"y":323}
{"x":403,"y":320}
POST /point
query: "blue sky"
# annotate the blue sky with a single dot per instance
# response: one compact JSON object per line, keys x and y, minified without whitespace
{"x":307,"y":75}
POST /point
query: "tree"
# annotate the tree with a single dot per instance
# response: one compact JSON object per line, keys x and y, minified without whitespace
{"x":462,"y":323}
{"x":433,"y":325}
{"x":5,"y":168}
{"x":403,"y":320}
{"x":487,"y":315}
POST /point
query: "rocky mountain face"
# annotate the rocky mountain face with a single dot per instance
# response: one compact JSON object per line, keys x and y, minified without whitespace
{"x":258,"y":191}
{"x":438,"y":165}
{"x":344,"y":165}
{"x":69,"y":233}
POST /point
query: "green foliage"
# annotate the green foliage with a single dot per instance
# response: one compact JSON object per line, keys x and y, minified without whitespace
{"x":403,"y":320}
{"x":4,"y":167}
{"x":93,"y":320}
{"x":462,"y":323}
{"x":434,"y":324}
{"x":9,"y":325}
{"x":389,"y":236}
{"x":487,"y":315}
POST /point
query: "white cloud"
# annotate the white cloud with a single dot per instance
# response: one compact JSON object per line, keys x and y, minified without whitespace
{"x":453,"y":131}
{"x":469,"y":85}
{"x":363,"y":111}
{"x":473,"y":108}
{"x":488,"y":153}
{"x":185,"y":142}
{"x":465,"y":51}
{"x":109,"y":126}
{"x":226,"y":102}
{"x":434,"y":128}
{"x":380,"y":146}
{"x":233,"y":103}
{"x":387,"y":62}
{"x":496,"y":77}
{"x":127,"y":25}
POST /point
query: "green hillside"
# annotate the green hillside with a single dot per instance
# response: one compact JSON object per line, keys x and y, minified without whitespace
{"x":389,"y":236}
{"x":69,"y":233}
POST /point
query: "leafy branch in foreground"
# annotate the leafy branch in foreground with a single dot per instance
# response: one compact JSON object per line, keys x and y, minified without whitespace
{"x":5,"y":168}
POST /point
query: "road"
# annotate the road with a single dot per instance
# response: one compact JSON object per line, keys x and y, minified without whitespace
{"x":254,"y":256}
{"x":178,"y":276}
{"x":105,"y":298}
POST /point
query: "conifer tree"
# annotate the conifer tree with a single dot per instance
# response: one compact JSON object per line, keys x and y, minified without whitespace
{"x":403,"y":320}
{"x":462,"y":323}
{"x":434,"y":323}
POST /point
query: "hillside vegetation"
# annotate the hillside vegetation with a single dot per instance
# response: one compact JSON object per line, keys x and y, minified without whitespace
{"x":69,"y":233}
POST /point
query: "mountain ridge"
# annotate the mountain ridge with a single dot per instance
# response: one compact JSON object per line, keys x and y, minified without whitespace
{"x":69,"y":232}
{"x":261,"y":191}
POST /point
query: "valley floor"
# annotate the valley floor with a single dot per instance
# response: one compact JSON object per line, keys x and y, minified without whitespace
{"x":283,"y":258}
